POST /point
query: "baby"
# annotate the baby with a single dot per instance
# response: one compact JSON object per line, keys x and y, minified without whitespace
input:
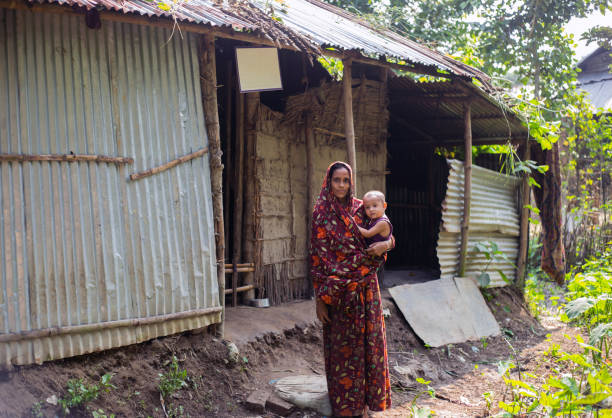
{"x":379,"y":226}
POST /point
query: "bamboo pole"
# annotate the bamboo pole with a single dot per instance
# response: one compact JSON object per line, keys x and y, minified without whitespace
{"x":228,"y":145}
{"x":169,"y":164}
{"x":467,"y":186}
{"x":102,"y":326}
{"x":238,"y":197}
{"x":231,"y":269}
{"x":431,"y":202}
{"x":68,"y":158}
{"x":230,"y":266}
{"x":252,"y":105}
{"x":328,"y":132}
{"x":349,"y":128}
{"x":208,"y":80}
{"x":524,"y":225}
{"x":310,"y":147}
{"x":240,"y":289}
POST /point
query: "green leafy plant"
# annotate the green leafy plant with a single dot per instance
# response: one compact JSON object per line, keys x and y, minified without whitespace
{"x":173,"y":380}
{"x":36,"y":410}
{"x":80,"y":393}
{"x":492,"y":253}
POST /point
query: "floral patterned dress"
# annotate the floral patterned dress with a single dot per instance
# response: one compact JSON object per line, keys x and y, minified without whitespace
{"x":344,"y":277}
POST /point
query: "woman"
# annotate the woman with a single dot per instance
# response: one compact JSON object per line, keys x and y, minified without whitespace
{"x":348,"y":299}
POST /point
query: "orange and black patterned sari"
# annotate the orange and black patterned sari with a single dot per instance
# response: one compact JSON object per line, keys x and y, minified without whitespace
{"x":344,"y":277}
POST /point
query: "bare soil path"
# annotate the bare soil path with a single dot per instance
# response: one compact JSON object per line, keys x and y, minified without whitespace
{"x":219,"y":382}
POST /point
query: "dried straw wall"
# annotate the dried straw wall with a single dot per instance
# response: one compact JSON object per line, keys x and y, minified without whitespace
{"x":281,"y":173}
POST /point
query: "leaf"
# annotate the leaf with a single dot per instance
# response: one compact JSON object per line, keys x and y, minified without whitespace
{"x":577,"y":307}
{"x":483,"y":279}
{"x":504,"y":366}
{"x":599,"y":332}
{"x":163,"y":6}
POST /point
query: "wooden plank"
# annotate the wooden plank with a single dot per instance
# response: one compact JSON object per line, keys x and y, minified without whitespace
{"x":169,"y":164}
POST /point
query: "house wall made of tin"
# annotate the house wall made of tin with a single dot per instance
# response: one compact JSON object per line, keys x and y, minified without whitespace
{"x":494,"y":217}
{"x":281,"y":172}
{"x":79,"y":242}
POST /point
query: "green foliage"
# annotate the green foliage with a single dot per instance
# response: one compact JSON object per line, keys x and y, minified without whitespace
{"x":576,"y":387}
{"x":80,"y":393}
{"x":602,"y":35}
{"x":590,"y":302}
{"x":172,"y":381}
{"x":36,"y":410}
{"x":334,"y":66}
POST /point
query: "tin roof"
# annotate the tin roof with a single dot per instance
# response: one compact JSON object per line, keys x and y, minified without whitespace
{"x":305,"y":24}
{"x":596,"y":77}
{"x":330,"y":26}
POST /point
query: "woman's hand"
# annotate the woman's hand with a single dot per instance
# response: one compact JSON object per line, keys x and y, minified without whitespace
{"x":378,"y":248}
{"x":322,"y":312}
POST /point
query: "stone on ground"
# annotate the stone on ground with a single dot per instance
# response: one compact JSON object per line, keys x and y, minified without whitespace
{"x":306,"y":392}
{"x":279,"y":406}
{"x":257,"y":401}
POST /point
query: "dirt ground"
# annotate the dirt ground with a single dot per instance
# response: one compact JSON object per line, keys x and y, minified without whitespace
{"x":218,"y":384}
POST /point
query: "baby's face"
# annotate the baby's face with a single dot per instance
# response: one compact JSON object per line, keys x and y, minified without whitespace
{"x":374,"y":207}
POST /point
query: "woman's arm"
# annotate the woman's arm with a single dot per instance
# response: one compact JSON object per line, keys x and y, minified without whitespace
{"x":379,"y":248}
{"x":322,"y":311}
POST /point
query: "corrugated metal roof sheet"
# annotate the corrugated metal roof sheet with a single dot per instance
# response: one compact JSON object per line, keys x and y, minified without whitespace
{"x":321,"y":24}
{"x":599,"y":92}
{"x":493,"y":217}
{"x":329,"y":26}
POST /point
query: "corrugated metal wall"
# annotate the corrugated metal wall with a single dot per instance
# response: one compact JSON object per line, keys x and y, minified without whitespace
{"x":80,"y":243}
{"x":494,"y":216}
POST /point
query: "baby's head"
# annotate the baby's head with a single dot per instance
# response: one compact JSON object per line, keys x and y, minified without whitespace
{"x":374,"y":204}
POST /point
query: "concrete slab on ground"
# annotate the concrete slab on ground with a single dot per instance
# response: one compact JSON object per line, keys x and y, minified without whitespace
{"x":244,"y":324}
{"x":446,"y":311}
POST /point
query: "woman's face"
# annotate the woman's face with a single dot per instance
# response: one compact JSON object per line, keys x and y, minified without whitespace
{"x":340,"y":183}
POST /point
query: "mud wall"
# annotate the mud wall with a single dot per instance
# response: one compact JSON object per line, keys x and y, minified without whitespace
{"x":281,"y":173}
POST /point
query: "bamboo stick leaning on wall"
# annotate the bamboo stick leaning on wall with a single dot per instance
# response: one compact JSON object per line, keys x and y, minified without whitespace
{"x":467,"y":186}
{"x":349,"y":127}
{"x":252,"y":106}
{"x":238,"y":196}
{"x":168,"y":165}
{"x":208,"y":80}
{"x":524,"y":225}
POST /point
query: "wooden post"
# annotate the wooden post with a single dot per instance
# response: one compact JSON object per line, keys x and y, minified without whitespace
{"x":310,"y":147}
{"x":431,"y":203}
{"x":349,"y":128}
{"x":208,"y":80}
{"x":467,"y":186}
{"x":228,"y":144}
{"x":249,"y":231}
{"x":239,"y":176}
{"x":524,"y":226}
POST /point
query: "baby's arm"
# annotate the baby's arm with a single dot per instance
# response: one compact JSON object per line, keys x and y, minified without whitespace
{"x":380,"y":228}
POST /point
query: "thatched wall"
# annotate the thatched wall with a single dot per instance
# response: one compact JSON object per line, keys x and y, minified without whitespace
{"x":281,"y":173}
